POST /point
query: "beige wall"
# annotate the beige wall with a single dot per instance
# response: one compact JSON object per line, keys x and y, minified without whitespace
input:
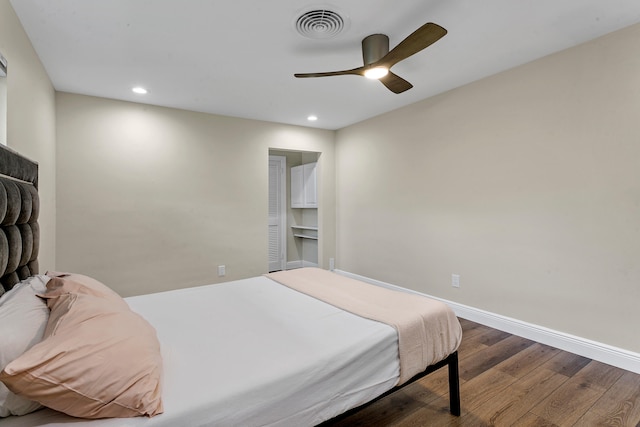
{"x":31,"y":120}
{"x":152,"y":198}
{"x":527,"y":184}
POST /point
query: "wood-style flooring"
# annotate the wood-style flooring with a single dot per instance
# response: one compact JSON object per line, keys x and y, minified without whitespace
{"x":506,"y":380}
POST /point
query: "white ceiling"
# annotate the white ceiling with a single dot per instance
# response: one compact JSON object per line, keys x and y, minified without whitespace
{"x":237,"y":58}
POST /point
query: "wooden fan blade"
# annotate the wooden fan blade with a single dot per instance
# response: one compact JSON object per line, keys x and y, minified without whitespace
{"x":395,"y":83}
{"x":421,"y":38}
{"x":357,"y":71}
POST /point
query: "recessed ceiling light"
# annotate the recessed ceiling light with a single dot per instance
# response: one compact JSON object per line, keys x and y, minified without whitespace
{"x":139,"y":90}
{"x":312,"y":118}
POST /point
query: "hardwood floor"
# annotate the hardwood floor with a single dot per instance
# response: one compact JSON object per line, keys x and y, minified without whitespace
{"x":506,"y":380}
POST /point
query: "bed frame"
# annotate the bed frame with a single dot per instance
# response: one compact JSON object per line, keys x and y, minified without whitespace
{"x":19,"y":244}
{"x":451,"y":362}
{"x":19,"y":208}
{"x":454,"y":388}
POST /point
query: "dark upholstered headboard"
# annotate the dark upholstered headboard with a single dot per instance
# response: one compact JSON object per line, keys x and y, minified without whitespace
{"x":19,"y":208}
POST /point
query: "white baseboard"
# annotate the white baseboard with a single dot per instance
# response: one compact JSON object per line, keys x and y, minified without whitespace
{"x":292,"y":265}
{"x":604,"y":353}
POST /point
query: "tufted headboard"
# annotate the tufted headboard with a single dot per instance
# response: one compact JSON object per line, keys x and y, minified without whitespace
{"x":19,"y":208}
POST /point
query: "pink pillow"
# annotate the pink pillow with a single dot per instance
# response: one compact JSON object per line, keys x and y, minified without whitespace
{"x":81,"y":284}
{"x":98,"y":358}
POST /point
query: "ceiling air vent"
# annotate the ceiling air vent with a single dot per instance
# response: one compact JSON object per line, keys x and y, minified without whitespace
{"x":320,"y":23}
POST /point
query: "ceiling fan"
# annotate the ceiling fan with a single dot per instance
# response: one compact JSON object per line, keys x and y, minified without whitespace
{"x":378,"y":60}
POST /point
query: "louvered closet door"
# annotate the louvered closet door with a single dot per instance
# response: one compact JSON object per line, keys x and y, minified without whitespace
{"x":277,"y":242}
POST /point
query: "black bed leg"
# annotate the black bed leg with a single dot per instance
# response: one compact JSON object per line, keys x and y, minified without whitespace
{"x":454,"y":385}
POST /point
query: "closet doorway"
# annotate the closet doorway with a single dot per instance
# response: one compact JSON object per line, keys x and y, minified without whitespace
{"x":293,"y":218}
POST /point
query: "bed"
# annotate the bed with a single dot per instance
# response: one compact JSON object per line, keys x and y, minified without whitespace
{"x":291,"y":348}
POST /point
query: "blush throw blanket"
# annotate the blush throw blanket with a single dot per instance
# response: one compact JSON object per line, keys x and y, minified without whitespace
{"x":428,"y":330}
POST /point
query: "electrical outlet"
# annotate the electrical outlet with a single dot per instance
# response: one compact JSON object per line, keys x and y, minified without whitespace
{"x":221,"y":270}
{"x":455,"y":280}
{"x":332,"y":264}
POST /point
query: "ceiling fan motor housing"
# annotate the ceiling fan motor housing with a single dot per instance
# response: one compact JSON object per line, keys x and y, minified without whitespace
{"x":374,"y":48}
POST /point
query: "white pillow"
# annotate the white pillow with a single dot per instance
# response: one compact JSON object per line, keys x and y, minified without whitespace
{"x":23,"y":318}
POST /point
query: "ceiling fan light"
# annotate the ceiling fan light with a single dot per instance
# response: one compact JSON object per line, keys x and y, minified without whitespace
{"x":376,"y":73}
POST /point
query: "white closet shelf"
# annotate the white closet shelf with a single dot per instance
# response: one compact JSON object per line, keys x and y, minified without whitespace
{"x":306,"y":236}
{"x":305,"y":227}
